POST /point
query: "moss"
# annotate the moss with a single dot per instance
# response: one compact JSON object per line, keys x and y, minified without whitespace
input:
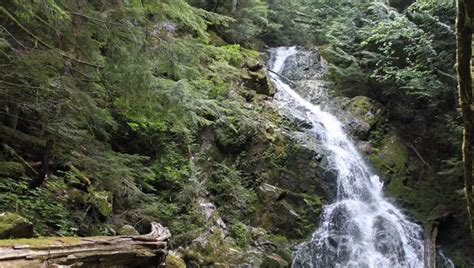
{"x":213,"y":251}
{"x":240,"y":233}
{"x":127,"y":230}
{"x":48,"y":241}
{"x":274,"y":261}
{"x":13,"y":225}
{"x":11,"y":169}
{"x":101,"y":200}
{"x":233,"y":133}
{"x":174,"y":261}
{"x":215,"y":39}
{"x":391,"y":157}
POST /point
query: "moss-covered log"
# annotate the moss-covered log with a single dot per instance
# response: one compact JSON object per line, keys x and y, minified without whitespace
{"x":120,"y":251}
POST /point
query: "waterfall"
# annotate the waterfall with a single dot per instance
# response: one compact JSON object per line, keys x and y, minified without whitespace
{"x":360,"y":228}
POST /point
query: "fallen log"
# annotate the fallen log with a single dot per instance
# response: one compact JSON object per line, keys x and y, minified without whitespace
{"x":14,"y":136}
{"x":118,"y":251}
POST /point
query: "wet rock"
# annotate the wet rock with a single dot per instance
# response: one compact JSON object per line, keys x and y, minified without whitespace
{"x":288,"y":213}
{"x":305,"y":64}
{"x":387,"y":240}
{"x":365,"y":147}
{"x":127,"y":230}
{"x":307,"y":171}
{"x":14,"y":226}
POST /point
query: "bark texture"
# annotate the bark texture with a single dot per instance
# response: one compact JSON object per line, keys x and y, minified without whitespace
{"x":463,"y":53}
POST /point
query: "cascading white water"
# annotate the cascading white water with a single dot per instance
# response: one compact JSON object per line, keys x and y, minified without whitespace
{"x":360,"y":228}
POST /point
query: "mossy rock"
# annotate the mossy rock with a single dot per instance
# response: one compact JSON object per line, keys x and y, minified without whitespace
{"x":11,"y":169}
{"x":212,"y":250}
{"x":282,"y":212}
{"x":253,"y":64}
{"x":391,"y":156}
{"x":258,"y":81}
{"x":127,"y":230}
{"x":274,"y":261}
{"x":101,"y":200}
{"x":215,"y":39}
{"x":174,"y":261}
{"x":14,"y":226}
{"x":368,"y":114}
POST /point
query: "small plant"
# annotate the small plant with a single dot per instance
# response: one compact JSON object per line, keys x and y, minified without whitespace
{"x":240,"y":233}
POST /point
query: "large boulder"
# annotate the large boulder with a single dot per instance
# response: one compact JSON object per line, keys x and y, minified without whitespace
{"x":293,"y":214}
{"x":14,"y":226}
{"x":391,"y":156}
{"x":305,"y":64}
{"x":257,"y":81}
{"x":364,"y":115}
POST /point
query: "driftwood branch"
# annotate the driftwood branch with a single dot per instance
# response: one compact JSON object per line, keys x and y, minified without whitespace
{"x":15,"y":155}
{"x":306,"y":22}
{"x":411,"y":146}
{"x":120,"y":251}
{"x":284,"y":77}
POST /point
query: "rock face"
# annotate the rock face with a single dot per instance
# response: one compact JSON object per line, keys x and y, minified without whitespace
{"x":365,"y":115}
{"x":15,"y":226}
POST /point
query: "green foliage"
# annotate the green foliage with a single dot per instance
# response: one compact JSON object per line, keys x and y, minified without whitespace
{"x":278,"y":155}
{"x":250,"y":20}
{"x":233,"y":200}
{"x":240,"y":233}
{"x":123,"y":89}
{"x":49,"y":217}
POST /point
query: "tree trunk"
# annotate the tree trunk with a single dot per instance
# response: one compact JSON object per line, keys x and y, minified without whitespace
{"x":463,"y":53}
{"x":41,"y":177}
{"x":119,"y":251}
